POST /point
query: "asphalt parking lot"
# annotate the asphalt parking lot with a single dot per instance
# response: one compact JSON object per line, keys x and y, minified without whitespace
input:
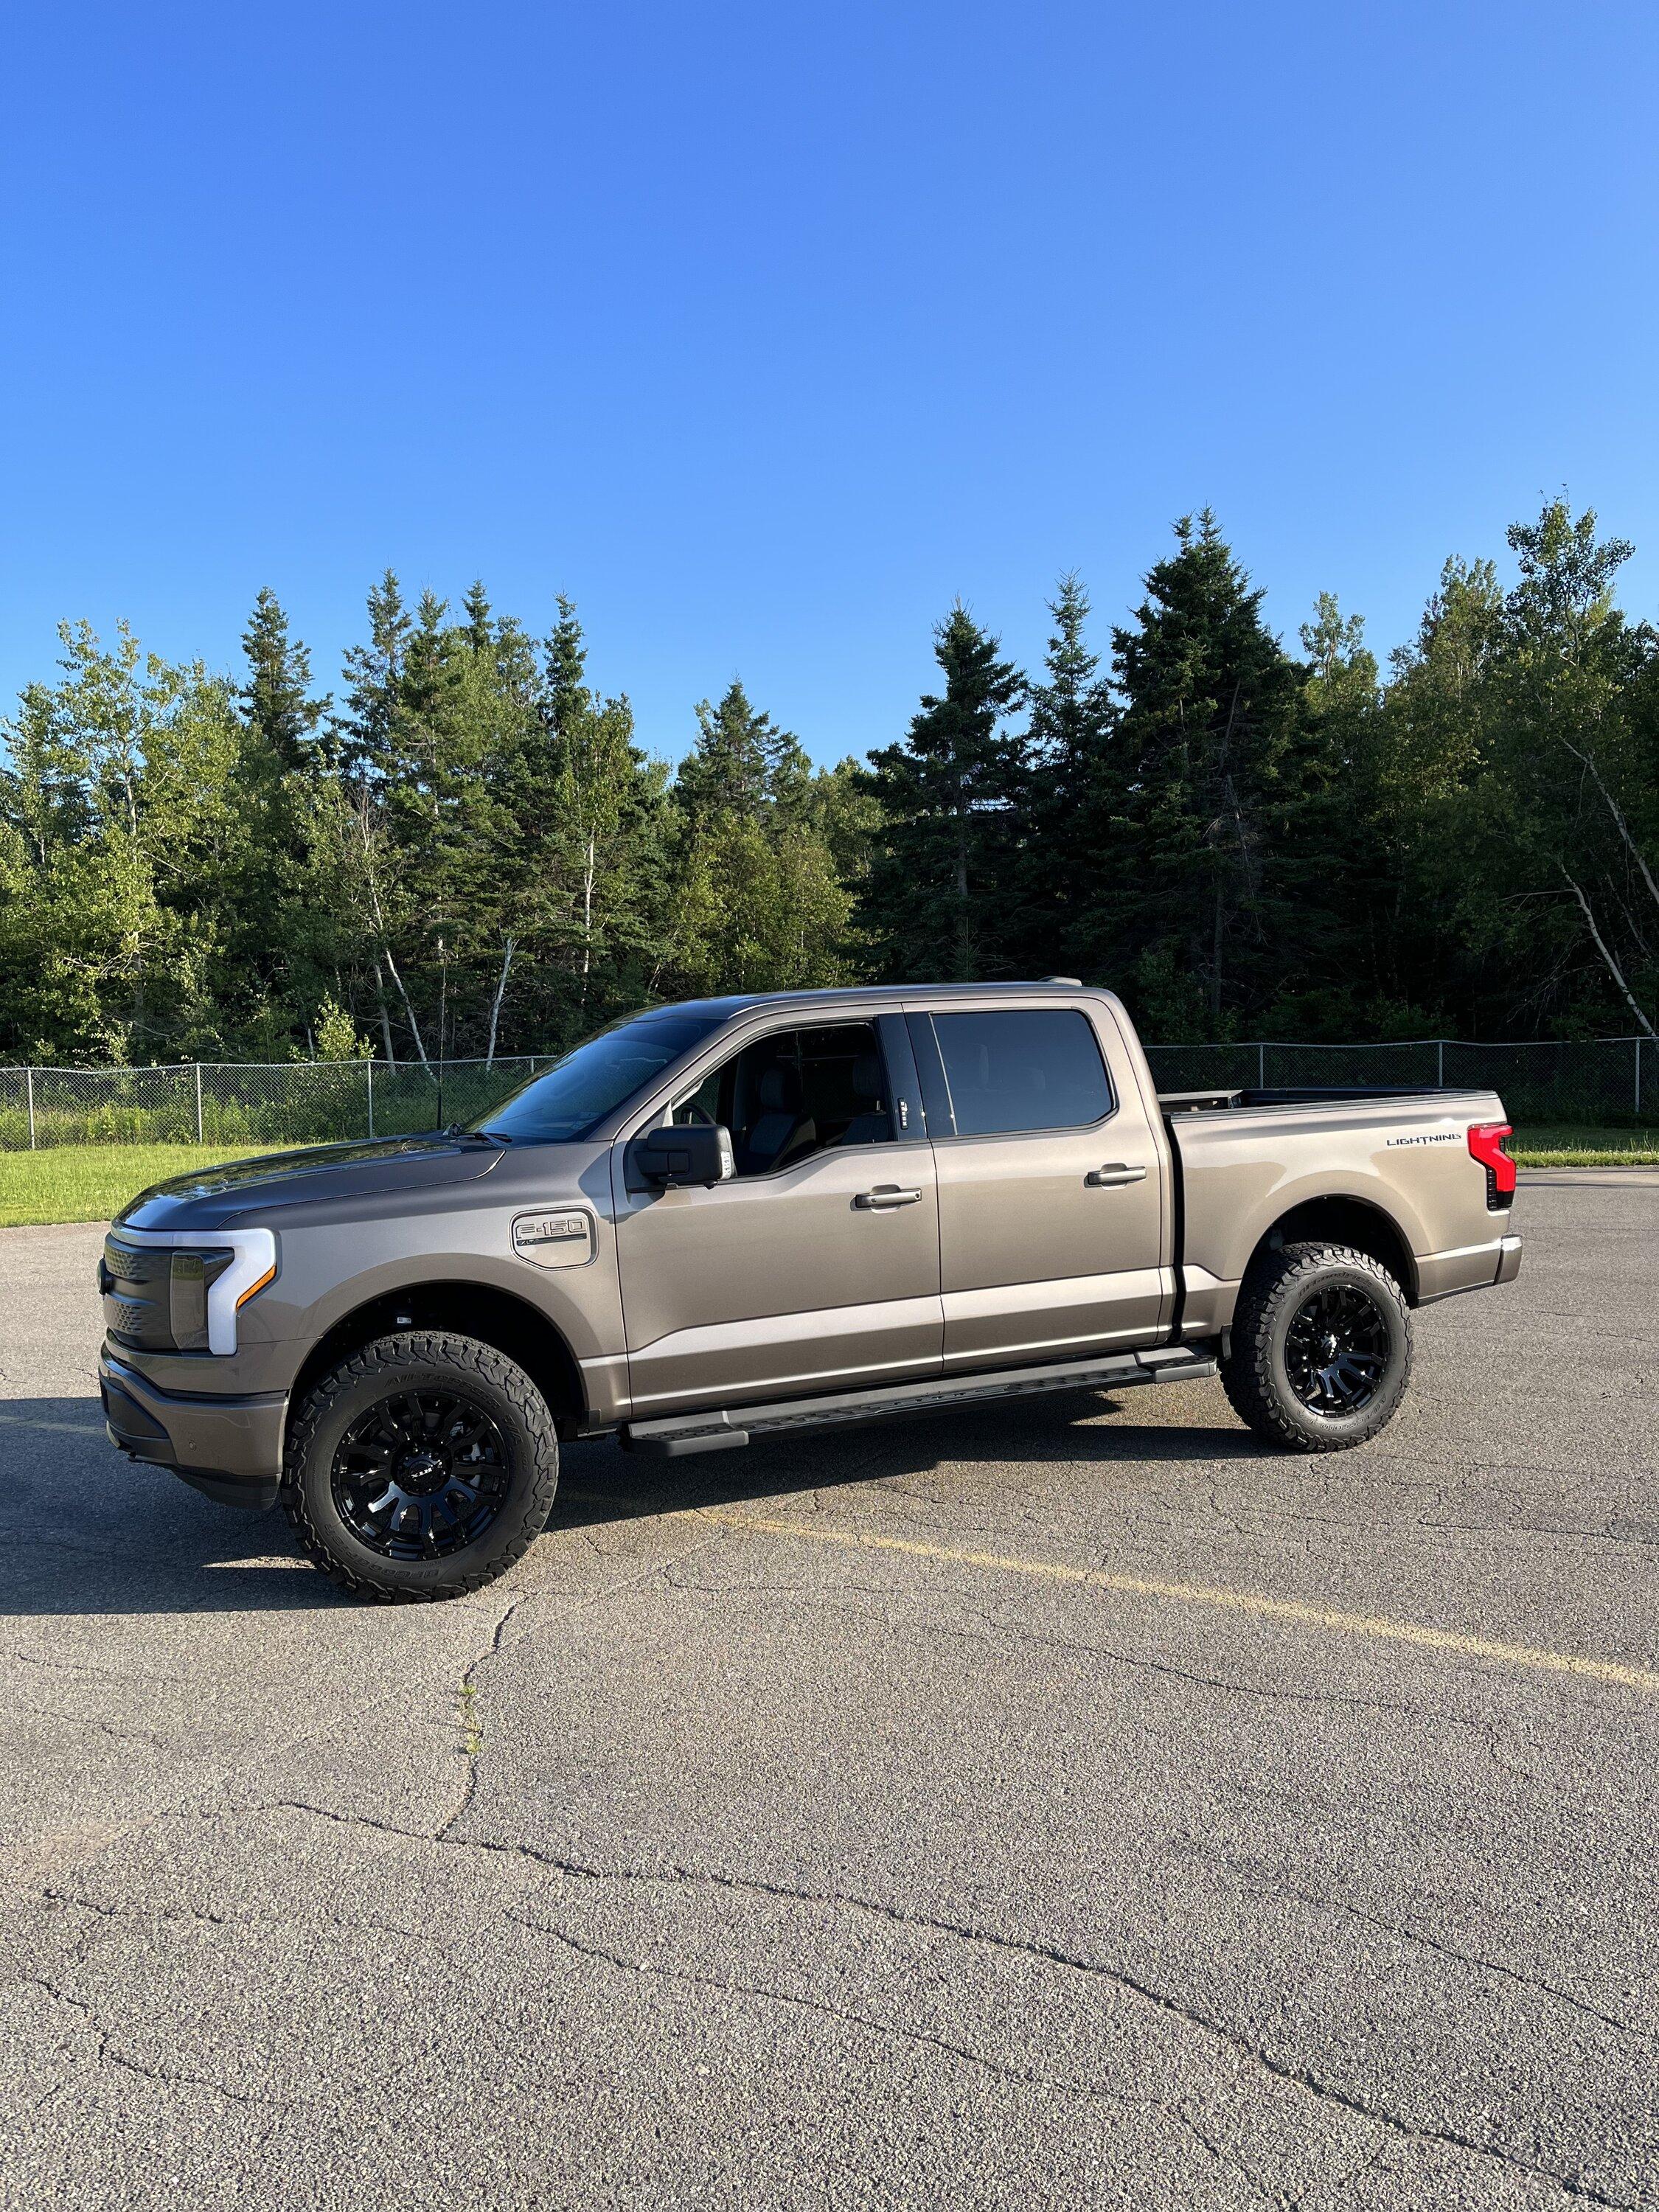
{"x":1074,"y":1805}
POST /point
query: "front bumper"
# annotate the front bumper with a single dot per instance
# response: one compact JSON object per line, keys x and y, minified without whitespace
{"x":230,"y":1449}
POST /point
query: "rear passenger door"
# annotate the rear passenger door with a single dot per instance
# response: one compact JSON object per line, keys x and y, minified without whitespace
{"x":1050,"y":1190}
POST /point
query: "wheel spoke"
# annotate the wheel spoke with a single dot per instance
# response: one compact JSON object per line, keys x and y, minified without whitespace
{"x":421,"y":1473}
{"x":1336,"y":1349}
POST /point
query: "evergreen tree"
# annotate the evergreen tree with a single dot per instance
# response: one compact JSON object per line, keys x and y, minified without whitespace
{"x":275,"y":695}
{"x":742,"y":764}
{"x":940,"y":899}
{"x":564,"y":670}
{"x":373,"y":674}
{"x":1075,"y":807}
{"x":1209,"y":729}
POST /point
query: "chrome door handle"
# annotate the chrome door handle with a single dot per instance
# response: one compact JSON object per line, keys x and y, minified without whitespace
{"x":1113,"y":1177}
{"x":879,"y":1201}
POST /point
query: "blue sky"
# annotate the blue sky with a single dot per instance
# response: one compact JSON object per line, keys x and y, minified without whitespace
{"x":765,"y":332}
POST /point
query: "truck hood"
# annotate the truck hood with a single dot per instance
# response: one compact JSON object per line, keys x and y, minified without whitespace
{"x":218,"y":1195}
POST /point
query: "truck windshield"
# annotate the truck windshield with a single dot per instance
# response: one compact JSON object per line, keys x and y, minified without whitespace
{"x":573,"y":1096}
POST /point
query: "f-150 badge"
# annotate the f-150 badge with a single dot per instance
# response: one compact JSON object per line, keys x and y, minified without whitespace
{"x":554,"y":1240}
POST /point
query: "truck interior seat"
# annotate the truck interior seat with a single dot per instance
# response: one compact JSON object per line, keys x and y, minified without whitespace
{"x":781,"y":1131}
{"x":871,"y":1124}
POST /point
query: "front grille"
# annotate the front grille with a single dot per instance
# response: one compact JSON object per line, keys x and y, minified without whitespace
{"x":137,"y":1287}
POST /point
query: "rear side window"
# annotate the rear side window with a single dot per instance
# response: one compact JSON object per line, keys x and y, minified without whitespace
{"x":1029,"y":1070}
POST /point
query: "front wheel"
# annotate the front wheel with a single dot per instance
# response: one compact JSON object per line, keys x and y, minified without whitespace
{"x":1322,"y":1347}
{"x":422,"y":1467}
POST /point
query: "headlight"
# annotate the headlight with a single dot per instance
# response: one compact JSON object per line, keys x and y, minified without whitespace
{"x":192,"y":1271}
{"x":166,"y":1292}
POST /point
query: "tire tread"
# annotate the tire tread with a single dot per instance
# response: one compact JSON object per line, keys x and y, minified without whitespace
{"x":388,"y":1356}
{"x":1246,"y":1374}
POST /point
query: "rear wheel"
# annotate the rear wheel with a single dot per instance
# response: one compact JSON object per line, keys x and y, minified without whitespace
{"x":1321,"y":1347}
{"x":422,"y":1467}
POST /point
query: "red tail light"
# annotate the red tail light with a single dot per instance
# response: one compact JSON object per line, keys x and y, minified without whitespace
{"x":1486,"y":1144}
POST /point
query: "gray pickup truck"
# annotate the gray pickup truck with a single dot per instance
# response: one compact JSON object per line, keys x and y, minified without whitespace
{"x":742,"y":1217}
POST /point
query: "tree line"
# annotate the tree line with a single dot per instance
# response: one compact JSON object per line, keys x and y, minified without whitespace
{"x":463,"y":849}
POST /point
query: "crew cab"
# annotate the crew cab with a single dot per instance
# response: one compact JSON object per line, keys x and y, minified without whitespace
{"x":736,"y":1218}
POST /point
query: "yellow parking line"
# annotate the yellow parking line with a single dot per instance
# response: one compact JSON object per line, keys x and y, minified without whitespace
{"x":1222,"y":1600}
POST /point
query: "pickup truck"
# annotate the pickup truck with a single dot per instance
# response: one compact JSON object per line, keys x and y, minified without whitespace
{"x":742,"y":1217}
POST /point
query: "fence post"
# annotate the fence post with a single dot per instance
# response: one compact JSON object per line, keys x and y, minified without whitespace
{"x":1440,"y":1051}
{"x":369,"y":1069}
{"x":1638,"y":1078}
{"x":1261,"y":1067}
{"x":28,"y":1085}
{"x":199,"y":1139}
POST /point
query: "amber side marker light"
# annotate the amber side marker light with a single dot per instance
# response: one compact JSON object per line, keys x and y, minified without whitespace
{"x":1486,"y":1146}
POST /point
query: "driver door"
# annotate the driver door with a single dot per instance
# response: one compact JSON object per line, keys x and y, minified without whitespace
{"x":815,"y":1266}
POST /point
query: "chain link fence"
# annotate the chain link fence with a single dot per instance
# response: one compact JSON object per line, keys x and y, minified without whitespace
{"x":1609,"y":1082}
{"x":258,"y":1107}
{"x":1613,"y":1082}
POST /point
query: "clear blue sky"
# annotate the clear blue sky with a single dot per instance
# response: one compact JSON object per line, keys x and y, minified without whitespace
{"x":765,"y":331}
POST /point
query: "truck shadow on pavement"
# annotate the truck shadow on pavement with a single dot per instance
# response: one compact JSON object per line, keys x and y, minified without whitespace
{"x":600,"y":1483}
{"x":83,"y":1530}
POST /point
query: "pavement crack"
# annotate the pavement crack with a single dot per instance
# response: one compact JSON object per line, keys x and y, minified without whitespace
{"x":107,"y":2054}
{"x":472,"y":1735}
{"x":1407,"y":1934}
{"x":1310,"y":2082}
{"x":1025,"y":2076}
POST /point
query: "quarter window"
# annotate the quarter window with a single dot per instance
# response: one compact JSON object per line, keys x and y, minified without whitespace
{"x":1032,"y":1069}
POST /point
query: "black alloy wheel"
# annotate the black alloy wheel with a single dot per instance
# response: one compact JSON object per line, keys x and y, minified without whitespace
{"x":1320,"y":1351}
{"x":1336,"y":1350}
{"x":420,"y":1475}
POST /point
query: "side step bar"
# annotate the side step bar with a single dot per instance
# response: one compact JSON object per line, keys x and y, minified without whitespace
{"x":684,"y":1433}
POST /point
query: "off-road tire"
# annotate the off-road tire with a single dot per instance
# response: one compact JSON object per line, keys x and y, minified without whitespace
{"x":436,"y":1359}
{"x":1254,"y":1374}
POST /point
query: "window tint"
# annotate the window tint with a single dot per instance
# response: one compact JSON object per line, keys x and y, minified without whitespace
{"x":796,"y":1092}
{"x":576,"y":1094}
{"x":1031,"y":1070}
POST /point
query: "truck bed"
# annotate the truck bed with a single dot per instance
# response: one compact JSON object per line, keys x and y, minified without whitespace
{"x":1372,"y":1163}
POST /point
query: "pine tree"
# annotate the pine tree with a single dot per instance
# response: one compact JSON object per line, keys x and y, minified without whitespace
{"x":1074,"y":806}
{"x":941,"y":901}
{"x":374,"y":673}
{"x":564,"y":681}
{"x":1209,"y":727}
{"x":276,"y":697}
{"x":742,"y":764}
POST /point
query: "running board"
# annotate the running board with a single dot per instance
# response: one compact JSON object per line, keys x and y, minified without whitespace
{"x":684,"y":1433}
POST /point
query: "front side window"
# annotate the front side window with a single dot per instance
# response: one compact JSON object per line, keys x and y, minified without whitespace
{"x":1030,"y":1069}
{"x":794,"y":1093}
{"x":576,"y":1094}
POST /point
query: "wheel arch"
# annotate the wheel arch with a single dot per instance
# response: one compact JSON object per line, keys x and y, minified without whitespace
{"x":483,"y":1310}
{"x":1339,"y":1219}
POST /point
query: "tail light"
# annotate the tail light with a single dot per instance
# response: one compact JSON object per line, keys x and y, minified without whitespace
{"x":1486,"y":1146}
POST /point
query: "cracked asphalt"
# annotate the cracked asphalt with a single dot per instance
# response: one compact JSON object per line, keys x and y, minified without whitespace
{"x":859,"y":1858}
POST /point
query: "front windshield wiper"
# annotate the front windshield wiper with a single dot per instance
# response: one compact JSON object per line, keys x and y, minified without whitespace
{"x":477,"y":1136}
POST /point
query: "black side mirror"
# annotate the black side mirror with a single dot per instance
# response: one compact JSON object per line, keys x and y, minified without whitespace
{"x":674,"y":1159}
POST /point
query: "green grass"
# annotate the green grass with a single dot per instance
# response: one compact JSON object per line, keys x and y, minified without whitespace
{"x":90,"y":1183}
{"x":1536,"y":1146}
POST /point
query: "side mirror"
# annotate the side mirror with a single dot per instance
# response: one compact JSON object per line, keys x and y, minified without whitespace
{"x":676,"y":1158}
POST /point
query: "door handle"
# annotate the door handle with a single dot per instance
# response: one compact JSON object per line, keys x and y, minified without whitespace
{"x":881,"y":1200}
{"x":1113,"y":1177}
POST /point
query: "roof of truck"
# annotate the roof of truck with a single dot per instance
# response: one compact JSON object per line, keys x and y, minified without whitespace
{"x":739,"y":1002}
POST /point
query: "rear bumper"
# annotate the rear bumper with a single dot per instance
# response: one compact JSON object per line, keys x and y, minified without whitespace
{"x":1470,"y":1267}
{"x":230,"y":1449}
